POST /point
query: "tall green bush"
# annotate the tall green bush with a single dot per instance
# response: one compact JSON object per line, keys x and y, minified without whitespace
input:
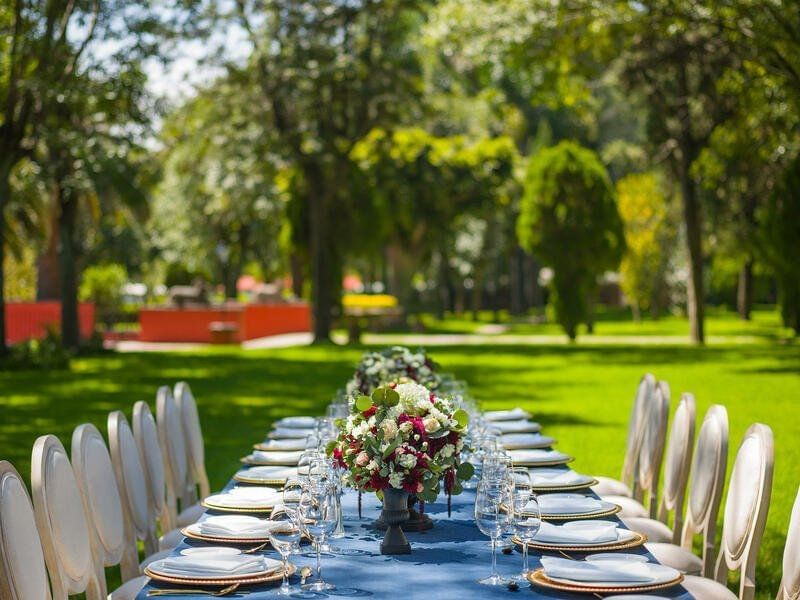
{"x":102,"y":284}
{"x":570,"y":221}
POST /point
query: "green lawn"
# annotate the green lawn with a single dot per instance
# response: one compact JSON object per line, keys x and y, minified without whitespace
{"x":581,"y":394}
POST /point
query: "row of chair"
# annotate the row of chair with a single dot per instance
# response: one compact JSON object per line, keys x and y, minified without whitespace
{"x":699,"y":468}
{"x":91,"y":509}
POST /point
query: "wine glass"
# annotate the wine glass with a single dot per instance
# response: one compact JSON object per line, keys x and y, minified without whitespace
{"x":319,"y":511}
{"x":493,"y":521}
{"x":527,"y":521}
{"x":284,"y":535}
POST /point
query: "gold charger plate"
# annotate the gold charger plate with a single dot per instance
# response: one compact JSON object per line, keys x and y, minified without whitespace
{"x":579,"y":516}
{"x":547,"y":463}
{"x":224,"y":540}
{"x":271,"y":576}
{"x":564,"y":488}
{"x":637,"y":540}
{"x":529,"y":446}
{"x":538,"y":577}
{"x":248,"y":460}
{"x":236,"y":509}
{"x":258,"y":481}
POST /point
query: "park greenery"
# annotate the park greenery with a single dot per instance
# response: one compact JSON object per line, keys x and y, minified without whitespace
{"x":448,"y":151}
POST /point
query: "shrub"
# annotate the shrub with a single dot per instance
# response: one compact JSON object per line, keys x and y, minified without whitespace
{"x":102,"y":284}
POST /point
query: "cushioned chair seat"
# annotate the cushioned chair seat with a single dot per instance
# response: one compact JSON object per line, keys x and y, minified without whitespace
{"x":611,"y":487}
{"x":154,"y":557}
{"x":170,"y":539}
{"x":707,"y":589}
{"x":655,"y":530}
{"x":630,"y":507}
{"x":677,"y":558}
{"x":129,"y":590}
{"x":190,"y":515}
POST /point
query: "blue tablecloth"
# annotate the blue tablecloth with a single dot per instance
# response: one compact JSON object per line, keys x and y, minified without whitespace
{"x":445,"y":562}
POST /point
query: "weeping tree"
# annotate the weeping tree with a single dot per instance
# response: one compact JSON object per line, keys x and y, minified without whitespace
{"x":570,"y":221}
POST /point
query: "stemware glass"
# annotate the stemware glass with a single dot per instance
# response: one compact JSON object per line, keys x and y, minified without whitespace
{"x":318,"y":510}
{"x":527,"y":521}
{"x":284,"y":535}
{"x":493,"y":521}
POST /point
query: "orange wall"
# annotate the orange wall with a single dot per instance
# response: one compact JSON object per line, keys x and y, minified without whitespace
{"x":191,"y":324}
{"x":25,"y":320}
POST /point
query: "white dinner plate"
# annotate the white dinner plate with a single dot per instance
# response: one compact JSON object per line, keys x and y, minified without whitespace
{"x":661,"y":574}
{"x":156,"y":567}
{"x":218,"y":550}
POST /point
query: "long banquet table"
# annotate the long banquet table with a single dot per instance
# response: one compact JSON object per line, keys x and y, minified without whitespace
{"x":445,"y":562}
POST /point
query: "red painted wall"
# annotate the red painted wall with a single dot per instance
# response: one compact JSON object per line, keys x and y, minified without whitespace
{"x":25,"y":320}
{"x":191,"y":324}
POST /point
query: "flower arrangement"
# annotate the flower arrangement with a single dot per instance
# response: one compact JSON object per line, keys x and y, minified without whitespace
{"x":405,"y":437}
{"x":393,"y":365}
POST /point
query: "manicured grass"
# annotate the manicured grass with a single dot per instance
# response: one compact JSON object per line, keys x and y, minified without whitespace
{"x":581,"y":395}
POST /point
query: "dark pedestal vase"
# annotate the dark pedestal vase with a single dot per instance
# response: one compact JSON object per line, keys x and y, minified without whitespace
{"x":395,"y":514}
{"x":417,"y":521}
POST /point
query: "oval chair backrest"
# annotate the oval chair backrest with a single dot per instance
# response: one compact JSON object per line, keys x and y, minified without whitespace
{"x":173,"y":445}
{"x":676,"y":466}
{"x":62,"y":523}
{"x":790,"y":583}
{"x":162,"y":508}
{"x":132,"y":486}
{"x":194,"y":438}
{"x":644,"y":394}
{"x":23,"y":575}
{"x":652,"y":450}
{"x":746,"y":508}
{"x":97,"y":483}
{"x":706,"y":481}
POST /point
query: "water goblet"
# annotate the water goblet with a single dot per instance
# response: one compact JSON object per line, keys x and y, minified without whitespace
{"x":284,"y":535}
{"x":493,"y":520}
{"x":318,"y":510}
{"x":527,"y":521}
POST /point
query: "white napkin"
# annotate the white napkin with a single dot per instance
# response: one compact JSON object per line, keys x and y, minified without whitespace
{"x":217,"y":565}
{"x":606,"y":571}
{"x":297,"y":422}
{"x":506,"y":415}
{"x":568,"y":504}
{"x":523,"y":426}
{"x":536,"y":455}
{"x":577,"y":532}
{"x":247,"y":497}
{"x":518,"y":441}
{"x":279,"y":433}
{"x":553,"y":477}
{"x":233,"y":526}
{"x":277,"y":458}
{"x":269,"y":472}
{"x":283,"y":444}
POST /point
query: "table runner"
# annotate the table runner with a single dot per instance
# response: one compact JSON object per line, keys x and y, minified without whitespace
{"x":445,"y":562}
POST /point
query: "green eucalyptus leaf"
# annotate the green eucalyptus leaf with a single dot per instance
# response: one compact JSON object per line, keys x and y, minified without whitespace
{"x":465,"y":471}
{"x":461,"y":417}
{"x":363,"y":403}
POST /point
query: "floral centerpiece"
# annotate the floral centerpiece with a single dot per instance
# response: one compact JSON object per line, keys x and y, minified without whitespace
{"x":403,"y":437}
{"x":393,"y":365}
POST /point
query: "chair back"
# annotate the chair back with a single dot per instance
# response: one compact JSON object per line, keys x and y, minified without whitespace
{"x":162,"y":507}
{"x":62,"y":523}
{"x":652,"y":447}
{"x":173,"y":445}
{"x":790,"y":583}
{"x":112,"y":542}
{"x":746,"y":508}
{"x":676,"y":466}
{"x":707,"y":479}
{"x":23,"y":575}
{"x":644,"y":393}
{"x":140,"y":522}
{"x":194,"y":440}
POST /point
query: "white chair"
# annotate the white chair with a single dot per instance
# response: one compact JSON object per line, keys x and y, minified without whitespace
{"x":746,"y":510}
{"x":64,"y":528}
{"x":23,"y":575}
{"x":625,"y":486}
{"x":197,"y":476}
{"x":651,"y":453}
{"x":676,"y":475}
{"x":113,"y":540}
{"x":173,"y":445}
{"x":162,"y":500}
{"x":789,"y":588}
{"x":705,"y":493}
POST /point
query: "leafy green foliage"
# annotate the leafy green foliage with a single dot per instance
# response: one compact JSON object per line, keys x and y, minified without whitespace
{"x":102,"y":284}
{"x":569,"y":219}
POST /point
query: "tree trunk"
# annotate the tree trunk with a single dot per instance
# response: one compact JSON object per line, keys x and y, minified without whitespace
{"x":48,"y":284}
{"x":298,"y":276}
{"x":443,"y":289}
{"x":322,"y":259}
{"x":70,"y":330}
{"x":692,"y":220}
{"x":515,"y":282}
{"x":744,"y":292}
{"x":5,"y":197}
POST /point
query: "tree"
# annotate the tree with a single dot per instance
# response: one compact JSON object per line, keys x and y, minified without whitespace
{"x":649,"y":238}
{"x":569,"y":219}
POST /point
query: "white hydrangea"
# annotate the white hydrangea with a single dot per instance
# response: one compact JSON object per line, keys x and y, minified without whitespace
{"x":414,"y":398}
{"x":396,"y":480}
{"x":447,"y":451}
{"x":408,"y":461}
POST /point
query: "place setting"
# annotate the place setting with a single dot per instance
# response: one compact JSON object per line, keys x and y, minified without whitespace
{"x":266,"y":475}
{"x":559,"y":480}
{"x":282,"y":457}
{"x":517,"y":426}
{"x":582,"y":536}
{"x":245,"y":499}
{"x":525,"y":441}
{"x":539,"y":457}
{"x":570,"y":507}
